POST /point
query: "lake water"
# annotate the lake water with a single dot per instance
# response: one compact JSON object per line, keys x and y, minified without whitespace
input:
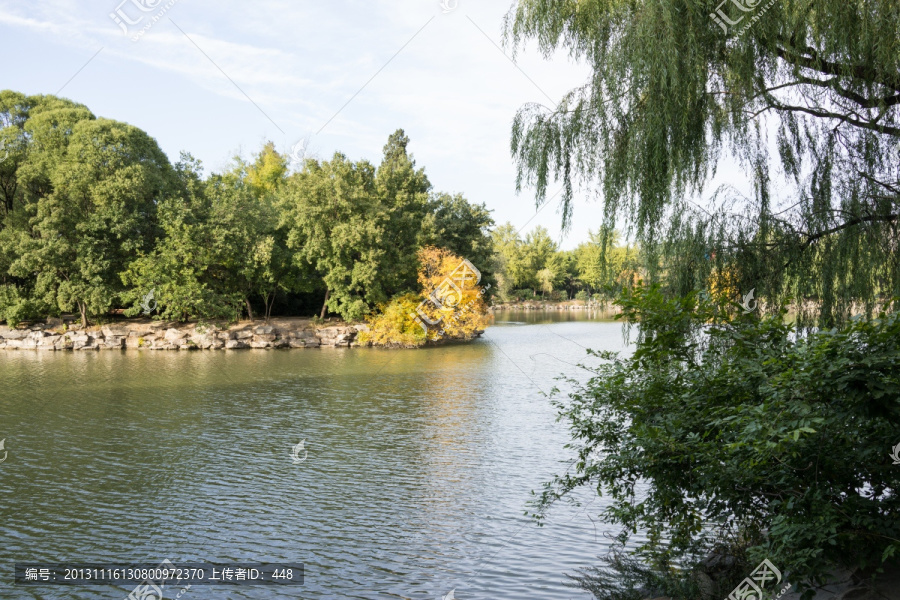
{"x":420,"y":465}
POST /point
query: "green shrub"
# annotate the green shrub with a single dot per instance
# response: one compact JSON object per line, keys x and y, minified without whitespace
{"x":14,"y":307}
{"x":727,"y":418}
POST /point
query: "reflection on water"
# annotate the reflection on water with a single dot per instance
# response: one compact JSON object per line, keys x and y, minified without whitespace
{"x":420,"y":464}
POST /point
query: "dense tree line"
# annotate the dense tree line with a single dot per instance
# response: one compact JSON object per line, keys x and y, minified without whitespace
{"x":95,"y":217}
{"x":535,"y":266}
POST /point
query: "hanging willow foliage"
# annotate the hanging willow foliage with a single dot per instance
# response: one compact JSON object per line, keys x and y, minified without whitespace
{"x":803,"y":94}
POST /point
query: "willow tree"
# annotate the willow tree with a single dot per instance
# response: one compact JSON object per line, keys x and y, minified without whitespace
{"x":802,"y":94}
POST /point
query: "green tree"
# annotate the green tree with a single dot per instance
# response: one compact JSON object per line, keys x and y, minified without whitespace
{"x":91,"y":193}
{"x":508,"y":260}
{"x":461,"y":227}
{"x":539,"y":252}
{"x":545,"y":279}
{"x":808,"y":89}
{"x":256,"y":259}
{"x":335,"y":226}
{"x":188,"y":268}
{"x":403,"y":197}
{"x":723,"y":423}
{"x":671,"y":94}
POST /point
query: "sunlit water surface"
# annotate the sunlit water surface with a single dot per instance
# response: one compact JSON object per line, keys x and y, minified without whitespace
{"x":420,"y":465}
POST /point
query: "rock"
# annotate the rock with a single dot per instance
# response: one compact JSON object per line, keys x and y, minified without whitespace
{"x":264,"y":337}
{"x":264,"y":330}
{"x":53,"y":322}
{"x":306,"y":334}
{"x":113,"y":343}
{"x":37,"y":334}
{"x":260,"y":343}
{"x":65,"y":343}
{"x":13,"y":344}
{"x":235,"y":345}
{"x":13,"y":334}
{"x":225,"y":335}
{"x":87,"y":347}
{"x":50,"y":340}
{"x":244,"y":334}
{"x":708,"y":587}
{"x":174,"y":335}
{"x":203,"y":342}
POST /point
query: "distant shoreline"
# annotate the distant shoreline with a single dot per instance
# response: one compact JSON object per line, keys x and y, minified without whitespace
{"x":601,"y":309}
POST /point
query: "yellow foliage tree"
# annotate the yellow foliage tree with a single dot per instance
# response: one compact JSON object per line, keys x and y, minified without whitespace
{"x":451,"y":305}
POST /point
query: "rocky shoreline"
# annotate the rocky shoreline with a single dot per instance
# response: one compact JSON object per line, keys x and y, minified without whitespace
{"x":296,"y":333}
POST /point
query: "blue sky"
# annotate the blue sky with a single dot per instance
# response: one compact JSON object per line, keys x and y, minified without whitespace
{"x":220,"y":78}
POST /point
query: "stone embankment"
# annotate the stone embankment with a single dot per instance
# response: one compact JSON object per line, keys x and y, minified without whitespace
{"x":163,"y":336}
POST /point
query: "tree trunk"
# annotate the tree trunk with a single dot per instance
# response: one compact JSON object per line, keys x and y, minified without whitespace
{"x":325,"y":304}
{"x":82,"y":308}
{"x":269,"y":300}
{"x":249,"y":308}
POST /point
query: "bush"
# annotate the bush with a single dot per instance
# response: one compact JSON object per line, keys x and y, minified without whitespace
{"x":582,"y":295}
{"x":14,"y":307}
{"x":392,"y":325}
{"x":726,"y":418}
{"x":522,"y":295}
